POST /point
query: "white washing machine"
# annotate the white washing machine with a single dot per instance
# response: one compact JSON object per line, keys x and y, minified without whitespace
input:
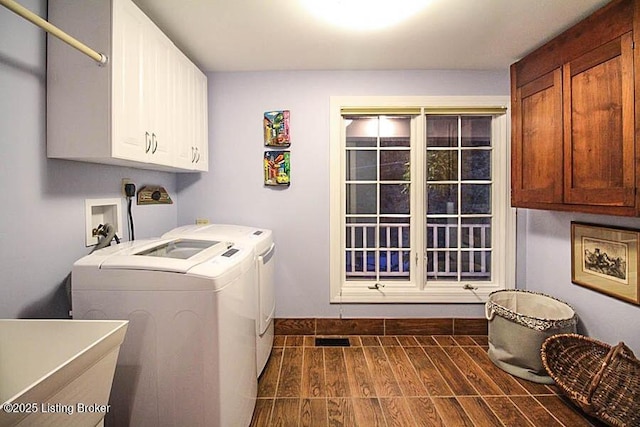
{"x":189,"y":357}
{"x":262,"y":242}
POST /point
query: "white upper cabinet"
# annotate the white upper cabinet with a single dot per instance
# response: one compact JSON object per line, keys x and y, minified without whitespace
{"x":184,"y":95}
{"x":200,"y":125}
{"x":144,"y":109}
{"x":191,"y":103}
{"x":126,"y":61}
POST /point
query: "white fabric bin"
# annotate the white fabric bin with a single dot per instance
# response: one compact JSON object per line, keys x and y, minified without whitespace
{"x":519,"y":322}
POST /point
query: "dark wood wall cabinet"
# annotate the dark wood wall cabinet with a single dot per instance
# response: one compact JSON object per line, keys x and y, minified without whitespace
{"x":574,"y":129}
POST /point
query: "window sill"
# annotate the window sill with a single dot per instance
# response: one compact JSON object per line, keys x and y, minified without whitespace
{"x":404,"y":295}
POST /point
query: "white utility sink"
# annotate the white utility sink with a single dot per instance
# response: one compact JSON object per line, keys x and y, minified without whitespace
{"x":57,"y":372}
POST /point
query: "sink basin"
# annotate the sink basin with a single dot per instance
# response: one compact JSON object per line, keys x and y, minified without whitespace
{"x":57,"y":372}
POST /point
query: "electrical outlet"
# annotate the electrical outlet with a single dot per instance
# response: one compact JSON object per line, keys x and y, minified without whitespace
{"x":125,"y":181}
{"x":202,"y":221}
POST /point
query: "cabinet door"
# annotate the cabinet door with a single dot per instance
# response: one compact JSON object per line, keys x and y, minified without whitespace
{"x":129,"y":138}
{"x":157,"y":96}
{"x":537,"y":141}
{"x":191,"y":116}
{"x":184,"y":101}
{"x":201,"y":129}
{"x":599,"y":126}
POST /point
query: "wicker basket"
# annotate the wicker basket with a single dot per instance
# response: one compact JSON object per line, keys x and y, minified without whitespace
{"x":602,"y":380}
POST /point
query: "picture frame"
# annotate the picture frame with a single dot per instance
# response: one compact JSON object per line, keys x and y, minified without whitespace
{"x":277,"y":168}
{"x":605,"y":259}
{"x":276,"y":128}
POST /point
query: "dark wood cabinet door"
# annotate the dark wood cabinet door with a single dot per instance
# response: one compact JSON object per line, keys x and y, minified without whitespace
{"x":537,"y":141}
{"x":598,"y":117}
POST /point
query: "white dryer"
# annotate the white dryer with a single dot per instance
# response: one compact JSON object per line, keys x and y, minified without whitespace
{"x":189,"y":358}
{"x":262,"y":241}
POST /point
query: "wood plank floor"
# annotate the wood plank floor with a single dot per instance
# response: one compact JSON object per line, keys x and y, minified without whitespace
{"x":402,"y":381}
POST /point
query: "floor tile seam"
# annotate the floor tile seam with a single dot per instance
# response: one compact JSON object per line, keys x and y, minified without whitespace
{"x":439,"y":372}
{"x":539,"y":403}
{"x":350,"y":374}
{"x":303,"y":371}
{"x":517,"y":408}
{"x":579,"y":413}
{"x":277,"y":385}
{"x":369,"y":363}
{"x":455,"y":366}
{"x":352,"y":398}
{"x":280,"y":374}
{"x":273,"y":407}
{"x":419,"y":396}
{"x":543,"y":394}
{"x":480,"y":369}
{"x":532,"y":422}
{"x":491,"y":379}
{"x":411,"y":396}
{"x":526,"y":395}
{"x":327,"y":399}
{"x":431,"y":396}
{"x":384,"y":416}
{"x":474,"y":396}
{"x":389,"y":396}
{"x":404,"y":398}
{"x":350,"y":391}
{"x":415,"y":370}
{"x":393,"y":371}
{"x":299,"y":417}
{"x":297,"y":414}
{"x":435,"y":407}
{"x":494,"y":412}
{"x":324,"y":373}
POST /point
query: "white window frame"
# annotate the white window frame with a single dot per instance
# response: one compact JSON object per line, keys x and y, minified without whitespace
{"x":417,"y":289}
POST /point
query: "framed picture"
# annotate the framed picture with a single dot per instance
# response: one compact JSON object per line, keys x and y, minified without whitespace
{"x":605,"y":259}
{"x":276,"y":129}
{"x":277,"y":168}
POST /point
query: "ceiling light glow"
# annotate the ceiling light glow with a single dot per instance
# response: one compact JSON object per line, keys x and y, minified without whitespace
{"x":364,"y":14}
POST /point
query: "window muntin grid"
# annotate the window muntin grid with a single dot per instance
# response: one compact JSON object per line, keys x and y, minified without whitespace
{"x":459,"y":202}
{"x":377,"y":197}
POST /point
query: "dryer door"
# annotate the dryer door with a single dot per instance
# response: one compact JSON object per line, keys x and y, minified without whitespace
{"x":266,"y":289}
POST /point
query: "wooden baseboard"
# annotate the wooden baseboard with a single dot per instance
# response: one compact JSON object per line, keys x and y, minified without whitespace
{"x":412,"y":326}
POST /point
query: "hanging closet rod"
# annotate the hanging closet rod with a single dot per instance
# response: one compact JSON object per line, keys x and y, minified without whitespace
{"x":52,"y":29}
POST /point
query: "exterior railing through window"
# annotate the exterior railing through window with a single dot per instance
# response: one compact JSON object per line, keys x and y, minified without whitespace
{"x":384,"y":249}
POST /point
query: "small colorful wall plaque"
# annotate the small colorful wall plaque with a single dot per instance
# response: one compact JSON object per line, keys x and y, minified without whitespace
{"x":276,"y":129}
{"x":277,"y":168}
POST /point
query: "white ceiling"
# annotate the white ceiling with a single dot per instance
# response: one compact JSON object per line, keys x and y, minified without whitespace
{"x":260,"y":35}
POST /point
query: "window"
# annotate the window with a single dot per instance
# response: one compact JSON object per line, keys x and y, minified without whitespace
{"x":377,"y":189}
{"x":459,"y":190}
{"x":419,"y":207}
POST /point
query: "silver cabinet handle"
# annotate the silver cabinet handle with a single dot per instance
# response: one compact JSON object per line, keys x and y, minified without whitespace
{"x":147,"y":142}
{"x":154,"y":142}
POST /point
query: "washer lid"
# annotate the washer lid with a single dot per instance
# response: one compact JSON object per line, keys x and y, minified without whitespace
{"x":174,"y":255}
{"x":260,"y":238}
